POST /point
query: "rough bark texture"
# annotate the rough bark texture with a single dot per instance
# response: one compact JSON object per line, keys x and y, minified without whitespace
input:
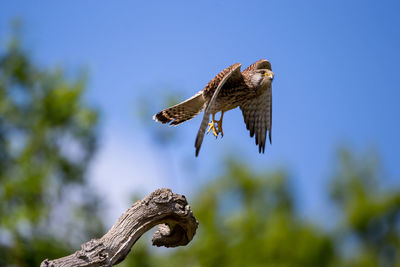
{"x":171,"y":212}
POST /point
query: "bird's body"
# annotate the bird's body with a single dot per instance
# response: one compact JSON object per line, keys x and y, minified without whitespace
{"x":230,"y":95}
{"x":250,"y":89}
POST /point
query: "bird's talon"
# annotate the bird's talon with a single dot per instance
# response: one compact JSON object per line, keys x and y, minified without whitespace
{"x":211,"y":127}
{"x":219,"y":124}
{"x":216,"y":126}
{"x":214,"y":129}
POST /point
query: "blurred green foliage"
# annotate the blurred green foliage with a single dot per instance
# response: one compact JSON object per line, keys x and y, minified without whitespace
{"x":250,"y":219}
{"x":370,"y":212}
{"x":47,"y":138}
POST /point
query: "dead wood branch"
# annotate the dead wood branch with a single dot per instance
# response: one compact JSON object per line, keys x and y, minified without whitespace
{"x":171,"y":212}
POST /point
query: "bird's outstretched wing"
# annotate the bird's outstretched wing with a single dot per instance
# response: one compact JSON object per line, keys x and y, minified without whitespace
{"x":214,"y":86}
{"x":260,"y":64}
{"x":257,"y":114}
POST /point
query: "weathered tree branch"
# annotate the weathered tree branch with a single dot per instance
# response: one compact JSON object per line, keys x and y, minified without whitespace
{"x":177,"y":228}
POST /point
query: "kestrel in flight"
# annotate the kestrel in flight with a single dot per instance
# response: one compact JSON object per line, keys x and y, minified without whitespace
{"x":250,"y":90}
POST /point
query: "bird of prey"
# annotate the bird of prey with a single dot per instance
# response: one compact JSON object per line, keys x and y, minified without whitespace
{"x":250,"y":90}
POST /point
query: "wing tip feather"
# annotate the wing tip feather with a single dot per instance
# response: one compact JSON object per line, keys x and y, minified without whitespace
{"x":269,"y":135}
{"x":160,"y":117}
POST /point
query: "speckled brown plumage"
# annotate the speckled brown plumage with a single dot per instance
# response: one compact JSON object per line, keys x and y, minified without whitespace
{"x":230,"y":88}
{"x":181,"y":112}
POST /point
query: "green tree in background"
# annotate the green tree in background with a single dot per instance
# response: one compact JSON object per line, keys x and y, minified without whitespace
{"x":369,"y":230}
{"x":250,"y":219}
{"x":47,"y":138}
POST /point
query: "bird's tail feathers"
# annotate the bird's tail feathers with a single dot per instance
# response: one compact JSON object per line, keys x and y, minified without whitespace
{"x":183,"y":111}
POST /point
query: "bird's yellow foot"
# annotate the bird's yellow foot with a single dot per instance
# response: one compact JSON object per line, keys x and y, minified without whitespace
{"x":214,"y":129}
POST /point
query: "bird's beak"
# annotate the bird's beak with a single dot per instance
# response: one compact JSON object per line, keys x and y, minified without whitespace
{"x":270,"y":75}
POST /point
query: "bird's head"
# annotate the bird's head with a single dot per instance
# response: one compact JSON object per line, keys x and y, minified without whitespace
{"x":262,"y":78}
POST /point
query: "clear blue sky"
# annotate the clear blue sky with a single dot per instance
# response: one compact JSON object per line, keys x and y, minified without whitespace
{"x":336,"y":66}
